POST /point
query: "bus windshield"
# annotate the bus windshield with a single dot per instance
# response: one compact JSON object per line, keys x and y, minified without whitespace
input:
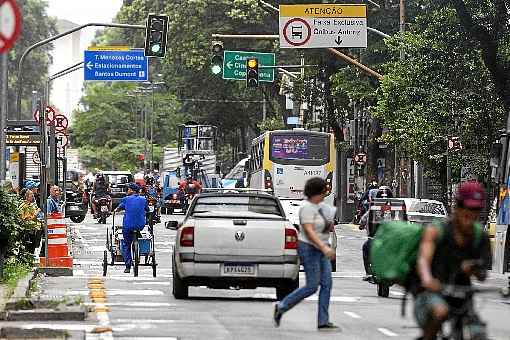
{"x":299,"y":148}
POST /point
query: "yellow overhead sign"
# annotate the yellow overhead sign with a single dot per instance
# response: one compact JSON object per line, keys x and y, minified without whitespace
{"x":323,"y":11}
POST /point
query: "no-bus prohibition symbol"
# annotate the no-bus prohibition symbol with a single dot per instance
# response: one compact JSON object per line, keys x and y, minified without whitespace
{"x":297,"y":32}
{"x":10,"y":24}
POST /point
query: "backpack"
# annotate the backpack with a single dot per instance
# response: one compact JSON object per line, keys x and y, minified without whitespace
{"x":394,"y":250}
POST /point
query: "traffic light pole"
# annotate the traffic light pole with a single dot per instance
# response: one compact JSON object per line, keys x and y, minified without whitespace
{"x":51,"y":39}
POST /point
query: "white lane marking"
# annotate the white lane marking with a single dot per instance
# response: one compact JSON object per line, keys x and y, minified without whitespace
{"x":135,"y":304}
{"x":149,"y":338}
{"x":151,"y":321}
{"x":113,"y":277}
{"x":352,"y":315}
{"x":155,"y":283}
{"x":337,"y":298}
{"x":387,"y":332}
{"x":120,"y":292}
{"x":312,"y":298}
{"x":396,"y":293}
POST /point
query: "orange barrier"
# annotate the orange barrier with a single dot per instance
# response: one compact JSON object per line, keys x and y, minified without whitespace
{"x":58,"y":251}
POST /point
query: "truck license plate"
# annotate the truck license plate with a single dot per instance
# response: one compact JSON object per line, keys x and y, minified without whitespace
{"x":237,"y":269}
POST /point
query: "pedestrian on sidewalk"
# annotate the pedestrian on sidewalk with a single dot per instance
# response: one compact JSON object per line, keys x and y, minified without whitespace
{"x":135,"y":207}
{"x":316,"y":220}
{"x":53,"y":202}
{"x":30,"y":215}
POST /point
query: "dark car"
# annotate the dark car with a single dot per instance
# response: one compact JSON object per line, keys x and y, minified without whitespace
{"x":118,"y":182}
{"x":76,"y":202}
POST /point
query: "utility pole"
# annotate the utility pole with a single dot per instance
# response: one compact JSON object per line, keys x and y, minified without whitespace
{"x":3,"y":112}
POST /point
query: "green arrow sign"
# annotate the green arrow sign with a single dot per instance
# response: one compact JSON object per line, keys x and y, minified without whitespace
{"x":234,"y":65}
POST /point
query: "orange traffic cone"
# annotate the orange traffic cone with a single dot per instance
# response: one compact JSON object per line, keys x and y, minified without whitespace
{"x":59,"y":261}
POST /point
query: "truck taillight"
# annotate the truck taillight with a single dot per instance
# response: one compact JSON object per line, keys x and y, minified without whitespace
{"x":187,"y":237}
{"x":291,"y":238}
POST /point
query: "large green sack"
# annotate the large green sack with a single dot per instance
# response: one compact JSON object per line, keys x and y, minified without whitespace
{"x":394,"y":251}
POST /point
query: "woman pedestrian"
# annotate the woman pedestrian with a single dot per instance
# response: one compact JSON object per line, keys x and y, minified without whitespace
{"x":316,"y":220}
{"x":30,"y":215}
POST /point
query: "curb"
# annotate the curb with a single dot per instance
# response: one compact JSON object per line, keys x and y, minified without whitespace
{"x":68,"y":314}
{"x":40,"y":333}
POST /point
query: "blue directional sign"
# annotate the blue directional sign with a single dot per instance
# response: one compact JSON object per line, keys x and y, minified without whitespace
{"x":129,"y":65}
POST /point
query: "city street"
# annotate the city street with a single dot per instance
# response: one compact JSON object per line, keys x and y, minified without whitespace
{"x":144,"y":307}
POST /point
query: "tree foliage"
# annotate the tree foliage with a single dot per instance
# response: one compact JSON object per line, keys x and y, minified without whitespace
{"x":37,"y":26}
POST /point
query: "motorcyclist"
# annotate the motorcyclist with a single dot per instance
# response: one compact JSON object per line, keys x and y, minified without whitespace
{"x":382,"y":192}
{"x":151,"y":191}
{"x":450,"y":255}
{"x":135,"y":207}
{"x":100,"y":189}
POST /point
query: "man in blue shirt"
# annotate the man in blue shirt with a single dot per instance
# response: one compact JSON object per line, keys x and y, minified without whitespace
{"x":53,"y":202}
{"x":135,"y":207}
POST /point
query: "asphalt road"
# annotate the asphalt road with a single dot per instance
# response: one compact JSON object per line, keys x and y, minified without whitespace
{"x":144,"y":308}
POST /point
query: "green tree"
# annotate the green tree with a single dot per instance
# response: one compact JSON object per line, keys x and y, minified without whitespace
{"x":442,"y":88}
{"x":37,"y":26}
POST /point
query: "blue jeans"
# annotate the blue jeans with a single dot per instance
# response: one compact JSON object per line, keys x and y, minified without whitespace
{"x":318,"y":272}
{"x":127,"y":233}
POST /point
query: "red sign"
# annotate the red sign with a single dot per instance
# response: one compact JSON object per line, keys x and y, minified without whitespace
{"x":62,"y":140}
{"x":10,"y":24}
{"x":297,"y":32}
{"x":50,"y":115}
{"x":61,"y":123}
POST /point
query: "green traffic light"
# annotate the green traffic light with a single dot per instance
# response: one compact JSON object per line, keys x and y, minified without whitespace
{"x":216,"y":69}
{"x":156,"y":48}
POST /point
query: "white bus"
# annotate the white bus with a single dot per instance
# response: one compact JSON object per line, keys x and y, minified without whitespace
{"x":284,"y":160}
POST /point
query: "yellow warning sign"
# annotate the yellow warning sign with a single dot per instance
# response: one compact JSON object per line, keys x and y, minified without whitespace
{"x":323,"y":11}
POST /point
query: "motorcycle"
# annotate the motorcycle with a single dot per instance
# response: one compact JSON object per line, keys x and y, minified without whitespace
{"x":102,"y":208}
{"x":152,"y":214}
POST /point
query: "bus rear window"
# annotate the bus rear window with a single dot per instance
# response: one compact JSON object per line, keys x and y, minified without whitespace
{"x":295,"y":147}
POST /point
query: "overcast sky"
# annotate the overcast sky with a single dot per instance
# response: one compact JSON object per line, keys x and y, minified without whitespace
{"x":82,"y":12}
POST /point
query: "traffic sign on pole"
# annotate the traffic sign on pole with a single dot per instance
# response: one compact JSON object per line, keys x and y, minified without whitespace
{"x":323,"y":26}
{"x":62,"y":140}
{"x":361,"y":158}
{"x":50,"y":115}
{"x":61,"y":123}
{"x":234,"y":65}
{"x":10,"y":24}
{"x":129,"y":65}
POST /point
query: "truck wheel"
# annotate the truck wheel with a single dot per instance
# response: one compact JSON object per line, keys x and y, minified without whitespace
{"x":283,"y":291}
{"x":179,"y":289}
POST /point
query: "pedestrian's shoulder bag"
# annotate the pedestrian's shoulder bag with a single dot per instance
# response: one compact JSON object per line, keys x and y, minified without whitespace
{"x":328,"y":225}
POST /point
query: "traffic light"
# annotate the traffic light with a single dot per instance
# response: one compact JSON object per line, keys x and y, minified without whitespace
{"x":155,"y":36}
{"x":252,"y":72}
{"x":217,"y":58}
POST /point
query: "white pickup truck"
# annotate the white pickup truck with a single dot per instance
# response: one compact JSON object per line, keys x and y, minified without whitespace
{"x":235,"y":239}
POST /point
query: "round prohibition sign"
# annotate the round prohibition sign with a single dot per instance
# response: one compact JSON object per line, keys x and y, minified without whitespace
{"x":61,"y":123}
{"x":50,"y":115}
{"x":10,"y":24}
{"x":62,"y":140}
{"x":297,"y":31}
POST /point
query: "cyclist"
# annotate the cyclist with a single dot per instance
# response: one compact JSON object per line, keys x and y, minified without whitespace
{"x":450,"y":255}
{"x":135,"y":207}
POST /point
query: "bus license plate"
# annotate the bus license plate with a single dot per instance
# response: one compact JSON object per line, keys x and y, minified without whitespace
{"x":238,"y":269}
